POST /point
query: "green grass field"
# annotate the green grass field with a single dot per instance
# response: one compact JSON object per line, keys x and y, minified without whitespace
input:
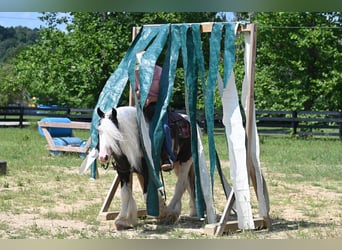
{"x":44,"y":197}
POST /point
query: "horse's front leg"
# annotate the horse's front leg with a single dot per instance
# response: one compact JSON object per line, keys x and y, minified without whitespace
{"x":127,"y":217}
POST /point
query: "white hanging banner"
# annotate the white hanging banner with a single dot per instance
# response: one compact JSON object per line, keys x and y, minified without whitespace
{"x":235,"y":134}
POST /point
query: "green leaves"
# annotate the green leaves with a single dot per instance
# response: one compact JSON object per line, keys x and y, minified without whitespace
{"x":72,"y":68}
{"x":298,"y":61}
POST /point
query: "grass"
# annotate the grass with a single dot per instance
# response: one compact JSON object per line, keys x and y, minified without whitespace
{"x":309,"y":159}
{"x":39,"y":191}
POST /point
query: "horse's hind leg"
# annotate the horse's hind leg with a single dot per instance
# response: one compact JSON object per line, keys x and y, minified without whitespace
{"x":127,"y":217}
{"x":175,"y":206}
{"x":192,"y":191}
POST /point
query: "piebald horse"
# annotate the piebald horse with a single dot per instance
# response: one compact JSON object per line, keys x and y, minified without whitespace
{"x":119,"y":138}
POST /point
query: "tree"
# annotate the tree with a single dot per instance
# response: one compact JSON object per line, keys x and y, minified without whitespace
{"x":71,"y":68}
{"x":12,"y":41}
{"x":299,"y":61}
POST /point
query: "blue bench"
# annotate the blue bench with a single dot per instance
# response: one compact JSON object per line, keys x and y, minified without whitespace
{"x":58,"y":132}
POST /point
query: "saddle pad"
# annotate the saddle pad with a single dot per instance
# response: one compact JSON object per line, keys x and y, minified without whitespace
{"x":178,"y":122}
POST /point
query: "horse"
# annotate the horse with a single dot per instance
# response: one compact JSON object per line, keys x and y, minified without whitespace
{"x":119,"y":138}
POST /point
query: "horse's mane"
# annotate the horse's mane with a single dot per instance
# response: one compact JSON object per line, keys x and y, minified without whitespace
{"x":124,"y":139}
{"x":112,"y":134}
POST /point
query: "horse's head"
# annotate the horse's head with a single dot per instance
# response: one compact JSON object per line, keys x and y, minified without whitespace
{"x":109,"y":135}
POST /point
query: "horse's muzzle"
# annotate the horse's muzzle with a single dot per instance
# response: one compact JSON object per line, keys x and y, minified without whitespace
{"x":103,"y":159}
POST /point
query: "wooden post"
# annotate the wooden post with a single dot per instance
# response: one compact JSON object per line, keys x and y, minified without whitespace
{"x":3,"y":167}
{"x":21,"y":117}
{"x":249,"y":120}
{"x":250,"y":106}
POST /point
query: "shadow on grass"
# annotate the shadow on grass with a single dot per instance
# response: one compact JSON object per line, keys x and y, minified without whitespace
{"x":156,"y":227}
{"x":280,"y":225}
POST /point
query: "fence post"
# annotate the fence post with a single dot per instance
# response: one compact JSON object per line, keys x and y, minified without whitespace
{"x":21,"y":117}
{"x":294,"y":122}
{"x":69,"y":113}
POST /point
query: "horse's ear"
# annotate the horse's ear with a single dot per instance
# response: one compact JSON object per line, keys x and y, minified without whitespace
{"x":114,"y":113}
{"x":114,"y":117}
{"x":100,"y":113}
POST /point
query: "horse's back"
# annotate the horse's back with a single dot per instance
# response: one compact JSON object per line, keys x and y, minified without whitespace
{"x":126,"y":112}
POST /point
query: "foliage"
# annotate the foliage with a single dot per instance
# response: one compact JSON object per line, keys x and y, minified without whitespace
{"x":12,"y":41}
{"x":73,"y":66}
{"x":299,"y":61}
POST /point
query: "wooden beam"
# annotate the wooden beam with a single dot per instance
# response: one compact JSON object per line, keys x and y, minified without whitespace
{"x":205,"y":27}
{"x":74,"y":125}
{"x":111,"y":215}
{"x":232,"y":226}
{"x":250,"y":106}
{"x":226,"y":213}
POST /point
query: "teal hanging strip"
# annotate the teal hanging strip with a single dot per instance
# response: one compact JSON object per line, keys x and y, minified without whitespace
{"x":148,"y":62}
{"x":183,"y":30}
{"x":229,"y":51}
{"x":215,"y":47}
{"x":116,"y":83}
{"x":192,"y":84}
{"x":146,"y":71}
{"x":164,"y":96}
{"x":196,"y":31}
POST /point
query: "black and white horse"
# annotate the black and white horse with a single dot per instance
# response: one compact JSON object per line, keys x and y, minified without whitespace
{"x":119,"y":138}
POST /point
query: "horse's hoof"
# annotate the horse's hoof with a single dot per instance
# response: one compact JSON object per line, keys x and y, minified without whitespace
{"x":120,"y":227}
{"x":170,"y":218}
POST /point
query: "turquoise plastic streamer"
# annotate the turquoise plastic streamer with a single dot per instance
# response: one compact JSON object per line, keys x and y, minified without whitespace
{"x":229,"y":51}
{"x":192,"y":85}
{"x":215,"y":47}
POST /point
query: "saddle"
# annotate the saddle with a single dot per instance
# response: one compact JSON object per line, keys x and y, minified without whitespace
{"x":179,"y":124}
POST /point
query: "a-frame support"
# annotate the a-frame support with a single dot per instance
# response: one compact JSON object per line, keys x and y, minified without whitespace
{"x":105,"y":214}
{"x":224,"y":225}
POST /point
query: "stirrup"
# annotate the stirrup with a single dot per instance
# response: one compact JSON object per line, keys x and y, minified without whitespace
{"x":167,"y":167}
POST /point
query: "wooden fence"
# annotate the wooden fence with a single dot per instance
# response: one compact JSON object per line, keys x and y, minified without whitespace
{"x":302,"y":123}
{"x":17,"y":116}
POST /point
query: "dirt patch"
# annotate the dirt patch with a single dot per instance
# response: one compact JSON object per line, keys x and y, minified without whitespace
{"x":297,"y":211}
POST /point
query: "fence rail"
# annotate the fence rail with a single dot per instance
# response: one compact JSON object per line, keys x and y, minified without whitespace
{"x":303,"y":123}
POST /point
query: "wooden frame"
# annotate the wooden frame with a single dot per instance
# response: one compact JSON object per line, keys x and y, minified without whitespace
{"x":105,"y":214}
{"x":224,"y":225}
{"x":73,"y":125}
